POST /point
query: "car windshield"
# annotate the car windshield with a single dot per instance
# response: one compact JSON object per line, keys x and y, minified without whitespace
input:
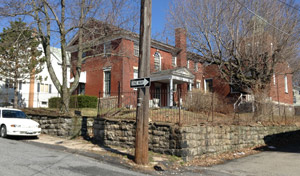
{"x":13,"y":114}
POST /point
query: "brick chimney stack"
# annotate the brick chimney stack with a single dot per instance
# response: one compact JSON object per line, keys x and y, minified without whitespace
{"x":180,"y":42}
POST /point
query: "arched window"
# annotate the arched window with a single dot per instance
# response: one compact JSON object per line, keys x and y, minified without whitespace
{"x":157,"y":61}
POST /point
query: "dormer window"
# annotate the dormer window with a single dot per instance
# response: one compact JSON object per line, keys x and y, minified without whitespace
{"x":157,"y":61}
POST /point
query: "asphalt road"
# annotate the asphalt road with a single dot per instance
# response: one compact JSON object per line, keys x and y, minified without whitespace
{"x":283,"y":161}
{"x":18,"y":158}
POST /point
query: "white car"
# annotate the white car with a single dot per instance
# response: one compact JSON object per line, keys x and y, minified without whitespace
{"x":16,"y":123}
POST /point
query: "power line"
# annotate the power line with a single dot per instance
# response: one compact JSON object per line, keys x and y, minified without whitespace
{"x":261,"y":18}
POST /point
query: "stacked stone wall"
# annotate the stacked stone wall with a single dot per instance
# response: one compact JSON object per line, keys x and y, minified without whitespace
{"x":189,"y":141}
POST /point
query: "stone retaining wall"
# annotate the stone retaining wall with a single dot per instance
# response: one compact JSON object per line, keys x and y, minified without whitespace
{"x":187,"y":142}
{"x":64,"y":126}
{"x":162,"y":137}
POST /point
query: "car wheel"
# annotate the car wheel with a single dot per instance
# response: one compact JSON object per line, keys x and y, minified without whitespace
{"x":3,"y":132}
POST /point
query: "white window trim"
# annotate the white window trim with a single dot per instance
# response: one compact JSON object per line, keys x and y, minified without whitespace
{"x":286,"y":84}
{"x":188,"y":64}
{"x":106,"y":69}
{"x":160,"y":58}
{"x":174,"y":61}
{"x":135,"y":69}
{"x":274,"y":79}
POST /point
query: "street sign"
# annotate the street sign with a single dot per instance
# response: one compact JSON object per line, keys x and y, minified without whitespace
{"x":140,"y":83}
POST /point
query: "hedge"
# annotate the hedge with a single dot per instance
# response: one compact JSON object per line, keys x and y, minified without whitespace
{"x":76,"y":101}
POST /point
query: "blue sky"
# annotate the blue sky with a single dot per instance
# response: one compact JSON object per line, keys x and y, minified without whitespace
{"x":159,"y":11}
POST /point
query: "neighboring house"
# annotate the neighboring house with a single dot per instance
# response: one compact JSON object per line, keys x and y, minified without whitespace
{"x":114,"y":62}
{"x":35,"y":92}
{"x":296,"y":93}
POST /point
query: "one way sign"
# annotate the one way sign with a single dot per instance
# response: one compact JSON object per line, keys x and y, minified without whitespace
{"x":140,"y":83}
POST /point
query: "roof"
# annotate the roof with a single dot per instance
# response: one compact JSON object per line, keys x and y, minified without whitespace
{"x":56,"y":53}
{"x":115,"y":33}
{"x":180,"y":71}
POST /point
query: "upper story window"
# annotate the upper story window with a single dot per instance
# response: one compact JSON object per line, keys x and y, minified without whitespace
{"x":174,"y":61}
{"x":107,"y":48}
{"x":196,"y":66}
{"x":157,"y":61}
{"x":286,"y":84}
{"x":188,"y":64}
{"x":274,"y":79}
{"x":136,"y":50}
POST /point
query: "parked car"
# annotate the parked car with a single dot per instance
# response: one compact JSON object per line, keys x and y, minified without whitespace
{"x":16,"y":123}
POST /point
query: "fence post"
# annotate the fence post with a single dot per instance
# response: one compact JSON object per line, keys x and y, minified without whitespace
{"x":179,"y":106}
{"x":119,"y":94}
{"x":98,"y":110}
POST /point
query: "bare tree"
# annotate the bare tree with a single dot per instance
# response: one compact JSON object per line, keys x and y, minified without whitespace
{"x":58,"y":21}
{"x":246,"y":39}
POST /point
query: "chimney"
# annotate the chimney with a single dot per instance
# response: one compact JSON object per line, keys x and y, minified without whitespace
{"x":180,"y":42}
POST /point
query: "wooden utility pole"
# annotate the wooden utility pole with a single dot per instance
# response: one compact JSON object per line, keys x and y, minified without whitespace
{"x":142,"y":111}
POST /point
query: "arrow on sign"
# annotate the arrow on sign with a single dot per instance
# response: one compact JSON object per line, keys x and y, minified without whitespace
{"x":140,"y":82}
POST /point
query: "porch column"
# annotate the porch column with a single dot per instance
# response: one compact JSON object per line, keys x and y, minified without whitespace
{"x":190,"y":86}
{"x":171,"y":92}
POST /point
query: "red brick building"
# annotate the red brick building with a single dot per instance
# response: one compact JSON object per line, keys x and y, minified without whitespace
{"x":114,"y":62}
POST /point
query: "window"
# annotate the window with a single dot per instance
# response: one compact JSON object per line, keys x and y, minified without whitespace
{"x":208,"y":85}
{"x":188,"y":64}
{"x":135,"y":73}
{"x":157,"y":61}
{"x":198,"y":85}
{"x":13,"y":114}
{"x":286,"y":84}
{"x":196,"y":66}
{"x":81,"y":89}
{"x":44,"y":103}
{"x":136,"y":50}
{"x":274,"y":79}
{"x":107,"y":49}
{"x":107,"y":83}
{"x":44,"y":88}
{"x":174,"y":61}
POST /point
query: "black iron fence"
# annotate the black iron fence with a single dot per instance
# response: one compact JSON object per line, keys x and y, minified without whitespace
{"x":195,"y":107}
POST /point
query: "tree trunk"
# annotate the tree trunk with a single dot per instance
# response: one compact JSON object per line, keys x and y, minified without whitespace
{"x":16,"y":92}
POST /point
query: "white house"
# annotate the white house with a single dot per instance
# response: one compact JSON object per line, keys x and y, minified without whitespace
{"x":35,"y":92}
